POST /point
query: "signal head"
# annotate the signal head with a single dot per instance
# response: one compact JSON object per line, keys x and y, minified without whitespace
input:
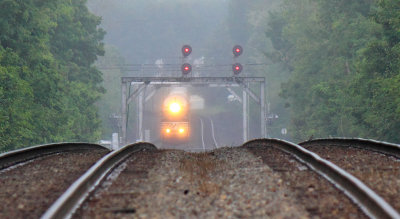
{"x":186,"y":50}
{"x":237,"y":50}
{"x":237,"y":68}
{"x":186,"y":68}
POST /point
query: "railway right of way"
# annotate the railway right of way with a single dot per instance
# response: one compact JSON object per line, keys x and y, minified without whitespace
{"x":31,"y":179}
{"x":263,"y":178}
{"x":377,"y":164}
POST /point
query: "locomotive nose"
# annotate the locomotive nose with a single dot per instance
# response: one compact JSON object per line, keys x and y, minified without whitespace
{"x":175,"y":107}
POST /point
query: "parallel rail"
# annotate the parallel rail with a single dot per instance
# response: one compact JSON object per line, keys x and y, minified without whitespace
{"x":213,"y":133}
{"x":372,"y":204}
{"x":378,"y":146}
{"x":212,"y":138}
{"x":80,"y":189}
{"x":12,"y":158}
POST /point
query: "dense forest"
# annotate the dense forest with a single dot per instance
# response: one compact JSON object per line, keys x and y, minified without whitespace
{"x":344,"y":63}
{"x":49,"y":86}
{"x":332,"y":67}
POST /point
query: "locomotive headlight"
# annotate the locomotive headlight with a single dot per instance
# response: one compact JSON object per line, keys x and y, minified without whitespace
{"x":181,"y":130}
{"x":168,"y":130}
{"x":175,"y":107}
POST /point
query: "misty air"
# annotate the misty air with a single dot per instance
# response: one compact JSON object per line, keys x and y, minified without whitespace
{"x":200,"y":109}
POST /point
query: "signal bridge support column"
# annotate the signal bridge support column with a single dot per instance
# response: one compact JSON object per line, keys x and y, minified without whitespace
{"x":245,"y":117}
{"x":264,"y":133}
{"x":141,"y":83}
{"x":124,"y":115}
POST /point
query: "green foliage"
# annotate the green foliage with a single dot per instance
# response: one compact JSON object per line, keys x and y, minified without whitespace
{"x":16,"y":97}
{"x":344,"y":63}
{"x":376,"y":87}
{"x":48,"y":86}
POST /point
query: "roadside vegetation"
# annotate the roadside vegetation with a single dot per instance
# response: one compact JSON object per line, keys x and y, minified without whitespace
{"x":48,"y":86}
{"x":332,"y":66}
{"x":344,"y":63}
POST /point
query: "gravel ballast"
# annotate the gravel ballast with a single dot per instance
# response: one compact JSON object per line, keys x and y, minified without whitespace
{"x":228,"y":183}
{"x":378,"y":171}
{"x":27,"y":190}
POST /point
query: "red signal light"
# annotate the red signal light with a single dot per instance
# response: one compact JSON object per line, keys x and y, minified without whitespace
{"x":237,"y":68}
{"x":186,"y":50}
{"x":186,"y":68}
{"x":237,"y":50}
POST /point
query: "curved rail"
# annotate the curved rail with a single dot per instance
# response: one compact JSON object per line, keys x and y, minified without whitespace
{"x":378,"y":146}
{"x":12,"y":158}
{"x":67,"y":203}
{"x":372,"y":204}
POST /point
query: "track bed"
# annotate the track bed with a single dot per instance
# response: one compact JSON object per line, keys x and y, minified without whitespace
{"x":379,"y":172}
{"x":228,"y":182}
{"x":28,"y":189}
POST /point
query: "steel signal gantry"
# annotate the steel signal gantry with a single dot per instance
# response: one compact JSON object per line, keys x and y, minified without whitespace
{"x":140,"y":85}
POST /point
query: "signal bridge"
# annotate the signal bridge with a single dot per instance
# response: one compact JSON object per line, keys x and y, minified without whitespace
{"x":141,"y":84}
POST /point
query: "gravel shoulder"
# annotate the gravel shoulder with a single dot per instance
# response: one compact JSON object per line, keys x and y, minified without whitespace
{"x":378,"y":171}
{"x":224,"y":183}
{"x":28,"y":189}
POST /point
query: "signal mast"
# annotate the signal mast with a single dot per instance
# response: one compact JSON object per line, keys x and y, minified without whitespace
{"x":186,"y":67}
{"x":237,"y":68}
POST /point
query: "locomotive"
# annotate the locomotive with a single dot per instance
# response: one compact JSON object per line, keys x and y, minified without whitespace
{"x":175,"y":118}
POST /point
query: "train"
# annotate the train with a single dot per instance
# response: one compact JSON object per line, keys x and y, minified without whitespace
{"x":175,"y":117}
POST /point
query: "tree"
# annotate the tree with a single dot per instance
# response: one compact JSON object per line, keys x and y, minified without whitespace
{"x":319,"y":42}
{"x":48,"y":83}
{"x":376,"y":88}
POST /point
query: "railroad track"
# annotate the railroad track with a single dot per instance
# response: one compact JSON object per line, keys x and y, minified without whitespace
{"x":375,"y":163}
{"x":124,"y":165}
{"x":366,"y":144}
{"x":67,"y":203}
{"x":372,"y":204}
{"x":16,"y":157}
{"x":125,"y":173}
{"x":32,"y":179}
{"x":208,"y":139}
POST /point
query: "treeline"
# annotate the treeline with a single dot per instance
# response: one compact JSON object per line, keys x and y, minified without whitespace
{"x":344,"y":61}
{"x":48,"y":86}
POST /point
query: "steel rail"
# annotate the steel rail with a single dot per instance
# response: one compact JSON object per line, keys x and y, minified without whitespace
{"x":372,"y":204}
{"x":68,"y":202}
{"x":15,"y":157}
{"x":373,"y":145}
{"x":202,"y":134}
{"x":213,"y":133}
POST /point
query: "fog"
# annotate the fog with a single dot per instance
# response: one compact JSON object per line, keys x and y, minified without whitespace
{"x":331,"y":69}
{"x":146,"y":37}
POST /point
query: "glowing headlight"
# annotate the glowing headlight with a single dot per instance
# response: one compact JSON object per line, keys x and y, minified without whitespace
{"x":175,"y":107}
{"x":168,"y":130}
{"x":181,"y":130}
